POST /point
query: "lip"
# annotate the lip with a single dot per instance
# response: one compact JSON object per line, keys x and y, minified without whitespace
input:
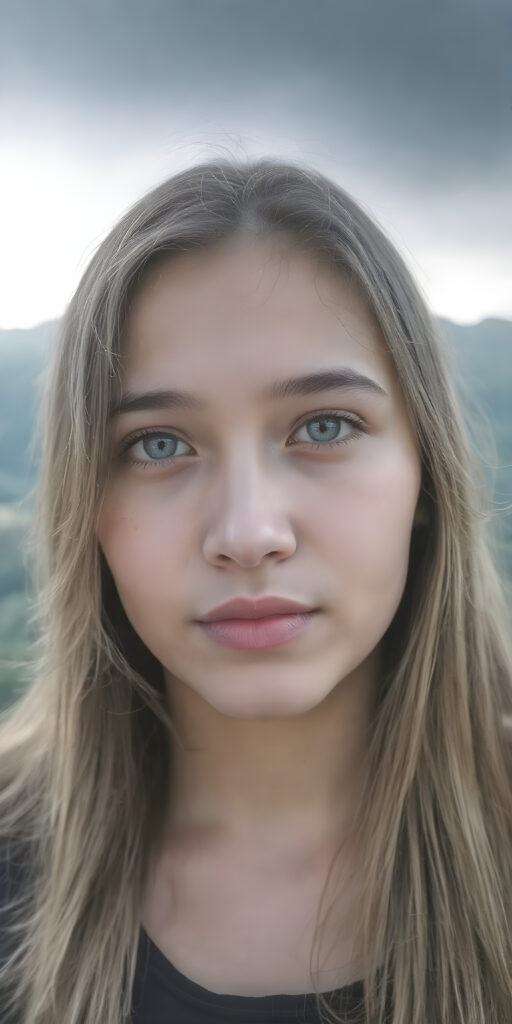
{"x":256,"y":608}
{"x":255,"y":634}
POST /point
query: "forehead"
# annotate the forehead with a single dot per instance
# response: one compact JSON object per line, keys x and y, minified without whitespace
{"x":242,"y":308}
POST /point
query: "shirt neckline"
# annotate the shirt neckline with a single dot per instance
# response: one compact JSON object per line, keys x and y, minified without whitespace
{"x":283,"y":1006}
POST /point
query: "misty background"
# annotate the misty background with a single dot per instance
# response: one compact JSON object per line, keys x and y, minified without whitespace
{"x":407,"y":106}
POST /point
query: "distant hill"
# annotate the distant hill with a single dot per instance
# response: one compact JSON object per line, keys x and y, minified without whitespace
{"x":23,"y":358}
{"x":481,"y":356}
{"x":34,"y":340}
{"x":483,"y":353}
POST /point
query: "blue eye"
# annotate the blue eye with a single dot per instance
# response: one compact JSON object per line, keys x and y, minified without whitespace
{"x":164,"y":444}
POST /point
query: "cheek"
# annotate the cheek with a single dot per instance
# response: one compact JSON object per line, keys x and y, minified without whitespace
{"x":368,"y":529}
{"x":144,"y":557}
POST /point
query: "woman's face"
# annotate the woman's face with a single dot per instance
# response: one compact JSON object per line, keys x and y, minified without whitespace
{"x":244,"y":495}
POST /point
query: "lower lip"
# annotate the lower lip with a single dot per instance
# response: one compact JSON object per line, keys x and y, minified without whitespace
{"x":254,"y":634}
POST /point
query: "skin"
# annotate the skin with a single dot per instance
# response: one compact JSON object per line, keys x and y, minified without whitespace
{"x":273,"y":741}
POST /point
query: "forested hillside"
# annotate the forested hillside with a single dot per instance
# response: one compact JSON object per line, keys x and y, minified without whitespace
{"x":481,"y":358}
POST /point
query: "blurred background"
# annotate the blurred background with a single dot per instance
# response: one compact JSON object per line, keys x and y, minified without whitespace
{"x":407,"y":106}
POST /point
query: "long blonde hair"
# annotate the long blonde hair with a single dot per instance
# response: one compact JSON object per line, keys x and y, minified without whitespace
{"x":85,"y":752}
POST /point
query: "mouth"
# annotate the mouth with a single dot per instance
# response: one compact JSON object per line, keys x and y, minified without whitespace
{"x":256,"y":634}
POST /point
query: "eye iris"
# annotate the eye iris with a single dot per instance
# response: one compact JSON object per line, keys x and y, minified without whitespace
{"x":159,"y":444}
{"x":323,"y":428}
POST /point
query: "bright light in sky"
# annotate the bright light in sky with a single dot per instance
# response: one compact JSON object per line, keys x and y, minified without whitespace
{"x":57,"y":208}
{"x":55,"y":211}
{"x":465,"y":286}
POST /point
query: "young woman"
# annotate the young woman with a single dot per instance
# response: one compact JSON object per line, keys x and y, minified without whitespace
{"x":296,"y":806}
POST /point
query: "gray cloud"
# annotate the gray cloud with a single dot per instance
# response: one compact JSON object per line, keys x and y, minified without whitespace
{"x":424,"y":90}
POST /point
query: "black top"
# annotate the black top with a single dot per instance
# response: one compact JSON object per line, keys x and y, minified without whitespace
{"x":162,"y":995}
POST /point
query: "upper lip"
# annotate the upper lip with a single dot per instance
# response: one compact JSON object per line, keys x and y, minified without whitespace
{"x":255,"y":608}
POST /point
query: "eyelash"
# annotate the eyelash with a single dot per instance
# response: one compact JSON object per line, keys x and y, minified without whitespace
{"x":351,"y":418}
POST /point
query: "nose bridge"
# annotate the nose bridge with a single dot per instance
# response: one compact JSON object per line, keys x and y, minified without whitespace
{"x":243,"y":480}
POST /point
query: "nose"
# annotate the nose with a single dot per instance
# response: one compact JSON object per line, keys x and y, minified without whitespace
{"x":248,"y":516}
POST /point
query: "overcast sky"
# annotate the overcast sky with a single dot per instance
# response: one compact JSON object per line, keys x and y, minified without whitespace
{"x":407,"y":105}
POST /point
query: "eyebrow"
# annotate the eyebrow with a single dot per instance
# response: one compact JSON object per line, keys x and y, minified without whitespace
{"x":344,"y":378}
